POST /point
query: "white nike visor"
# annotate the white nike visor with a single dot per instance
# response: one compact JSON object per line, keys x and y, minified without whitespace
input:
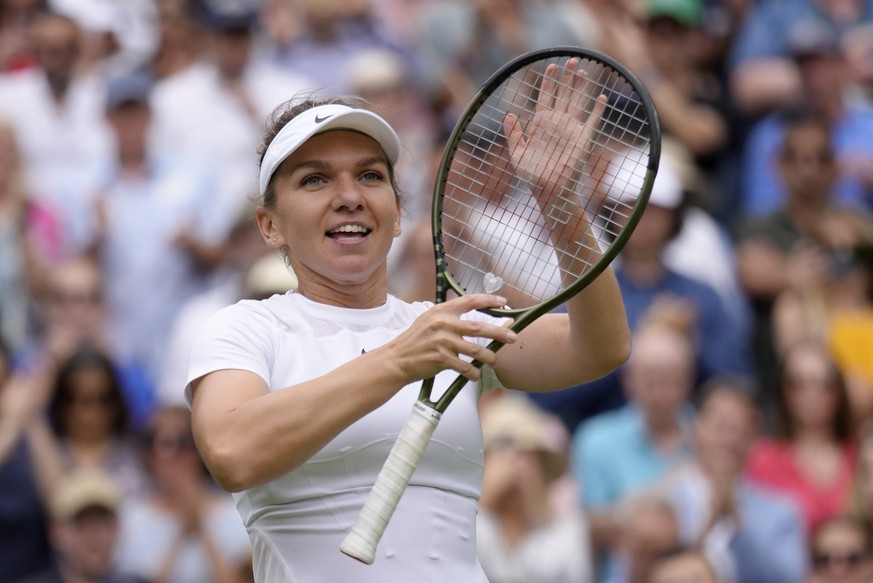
{"x":321,"y":119}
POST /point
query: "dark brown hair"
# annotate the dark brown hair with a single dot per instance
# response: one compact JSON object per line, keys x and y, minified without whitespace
{"x":842,"y":427}
{"x":64,"y":389}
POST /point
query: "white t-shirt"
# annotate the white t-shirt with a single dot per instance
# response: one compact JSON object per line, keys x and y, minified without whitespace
{"x":297,"y":522}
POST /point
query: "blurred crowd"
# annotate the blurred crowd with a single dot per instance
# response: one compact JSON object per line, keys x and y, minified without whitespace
{"x":734,"y":446}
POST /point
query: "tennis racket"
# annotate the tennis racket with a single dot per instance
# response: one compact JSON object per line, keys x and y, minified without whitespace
{"x":503,"y":221}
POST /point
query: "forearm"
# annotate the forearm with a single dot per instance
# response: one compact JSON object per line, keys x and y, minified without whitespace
{"x":599,"y":326}
{"x":759,"y":86}
{"x":10,"y":433}
{"x":44,"y":451}
{"x":254,"y":440}
{"x":699,"y":128}
{"x":562,"y":350}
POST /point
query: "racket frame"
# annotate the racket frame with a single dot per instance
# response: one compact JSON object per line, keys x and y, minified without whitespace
{"x":445,"y":282}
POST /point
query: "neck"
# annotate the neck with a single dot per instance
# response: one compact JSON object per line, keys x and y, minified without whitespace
{"x":69,"y":574}
{"x":807,"y":213}
{"x":372,"y":293}
{"x":812,"y":436}
{"x":662,"y":430}
{"x":58,"y":84}
{"x":89,"y":450}
{"x":132,"y":161}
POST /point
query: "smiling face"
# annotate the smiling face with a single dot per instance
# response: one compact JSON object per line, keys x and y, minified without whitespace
{"x":336,"y":214}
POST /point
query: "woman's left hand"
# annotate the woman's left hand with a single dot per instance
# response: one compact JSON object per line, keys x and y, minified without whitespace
{"x":548,"y":153}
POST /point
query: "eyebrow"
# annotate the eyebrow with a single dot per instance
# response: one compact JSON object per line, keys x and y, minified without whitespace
{"x":317,"y":164}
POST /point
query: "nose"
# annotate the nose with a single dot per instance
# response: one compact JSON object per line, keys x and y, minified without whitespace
{"x":347,"y":195}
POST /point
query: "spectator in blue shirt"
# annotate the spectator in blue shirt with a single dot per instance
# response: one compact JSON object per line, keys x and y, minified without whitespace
{"x":618,"y":453}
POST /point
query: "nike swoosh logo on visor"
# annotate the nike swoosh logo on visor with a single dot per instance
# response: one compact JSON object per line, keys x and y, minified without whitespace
{"x":322,"y":119}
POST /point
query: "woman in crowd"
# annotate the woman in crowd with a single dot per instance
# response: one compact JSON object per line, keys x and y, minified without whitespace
{"x":90,"y":420}
{"x":811,"y":457}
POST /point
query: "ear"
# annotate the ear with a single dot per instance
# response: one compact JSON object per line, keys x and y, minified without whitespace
{"x":397,"y":221}
{"x":269,"y":227}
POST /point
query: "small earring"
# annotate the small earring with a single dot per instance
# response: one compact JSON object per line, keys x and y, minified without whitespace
{"x":274,"y":239}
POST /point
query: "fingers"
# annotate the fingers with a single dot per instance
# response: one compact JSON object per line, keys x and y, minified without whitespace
{"x":594,"y":119}
{"x":471,"y":328}
{"x":578,"y":97}
{"x":513,"y":131}
{"x":476,"y":353}
{"x":548,"y":88}
{"x":472,"y":302}
{"x":456,"y":337}
{"x":568,"y":88}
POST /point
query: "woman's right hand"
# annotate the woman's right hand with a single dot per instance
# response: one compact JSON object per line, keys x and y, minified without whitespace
{"x":437,"y":340}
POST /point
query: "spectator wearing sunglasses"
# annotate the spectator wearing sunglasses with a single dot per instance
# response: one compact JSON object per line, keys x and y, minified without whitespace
{"x":842,"y":551}
{"x":91,"y":422}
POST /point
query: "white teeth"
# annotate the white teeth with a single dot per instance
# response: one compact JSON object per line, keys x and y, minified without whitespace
{"x":350,"y":229}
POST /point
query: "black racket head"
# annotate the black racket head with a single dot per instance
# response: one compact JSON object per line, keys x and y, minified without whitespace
{"x":491,"y":235}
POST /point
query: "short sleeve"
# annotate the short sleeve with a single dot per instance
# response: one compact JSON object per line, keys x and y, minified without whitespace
{"x":236,"y":337}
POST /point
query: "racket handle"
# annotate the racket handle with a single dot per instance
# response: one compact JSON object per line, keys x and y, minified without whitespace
{"x":362,"y":540}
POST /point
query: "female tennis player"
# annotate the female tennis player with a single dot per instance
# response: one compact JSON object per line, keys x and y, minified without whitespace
{"x":297,"y":399}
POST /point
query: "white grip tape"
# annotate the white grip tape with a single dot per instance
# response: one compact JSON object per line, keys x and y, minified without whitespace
{"x":362,"y":540}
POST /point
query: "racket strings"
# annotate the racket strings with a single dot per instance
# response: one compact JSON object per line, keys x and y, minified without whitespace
{"x":497,"y":235}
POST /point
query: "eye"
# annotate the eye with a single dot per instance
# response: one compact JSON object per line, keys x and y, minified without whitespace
{"x":311,"y":180}
{"x":372,"y":176}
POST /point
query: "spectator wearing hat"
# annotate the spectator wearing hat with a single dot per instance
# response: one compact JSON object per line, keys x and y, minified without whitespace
{"x":382,"y":78}
{"x":686,"y":99}
{"x":84,"y":531}
{"x":522,"y":535}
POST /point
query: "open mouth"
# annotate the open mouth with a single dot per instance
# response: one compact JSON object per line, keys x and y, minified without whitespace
{"x":349,"y":233}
